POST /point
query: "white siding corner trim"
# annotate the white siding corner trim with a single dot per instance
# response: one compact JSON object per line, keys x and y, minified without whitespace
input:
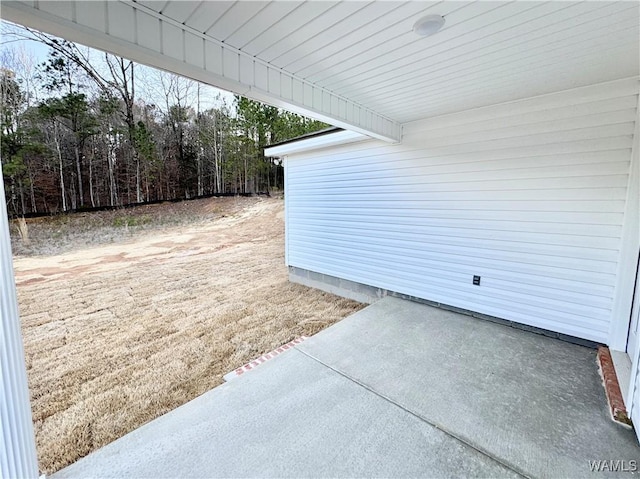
{"x":529,"y":195}
{"x":629,"y":248}
{"x":630,"y":284}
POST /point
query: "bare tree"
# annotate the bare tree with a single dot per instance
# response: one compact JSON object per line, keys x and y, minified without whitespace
{"x":123,"y":82}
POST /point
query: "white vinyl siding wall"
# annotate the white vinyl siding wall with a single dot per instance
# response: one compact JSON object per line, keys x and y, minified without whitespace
{"x":529,"y":195}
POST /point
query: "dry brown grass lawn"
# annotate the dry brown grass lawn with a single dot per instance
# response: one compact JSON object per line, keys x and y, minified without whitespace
{"x":116,"y":335}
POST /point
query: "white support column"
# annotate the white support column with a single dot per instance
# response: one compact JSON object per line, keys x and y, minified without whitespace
{"x":17,"y":442}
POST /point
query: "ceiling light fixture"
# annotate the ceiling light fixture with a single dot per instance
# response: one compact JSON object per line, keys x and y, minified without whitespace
{"x":428,"y":25}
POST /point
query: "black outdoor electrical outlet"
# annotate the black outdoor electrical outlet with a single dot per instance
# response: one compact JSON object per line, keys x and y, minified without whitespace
{"x":476,"y":280}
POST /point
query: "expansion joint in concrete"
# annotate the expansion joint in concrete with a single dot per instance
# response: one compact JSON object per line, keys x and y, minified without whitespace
{"x":421,"y":418}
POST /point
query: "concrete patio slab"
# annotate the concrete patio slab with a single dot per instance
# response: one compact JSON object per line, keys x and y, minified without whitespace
{"x":398,"y":389}
{"x":292,"y":417}
{"x":534,"y":403}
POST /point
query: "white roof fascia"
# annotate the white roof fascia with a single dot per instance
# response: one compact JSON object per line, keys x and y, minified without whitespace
{"x":315,"y":143}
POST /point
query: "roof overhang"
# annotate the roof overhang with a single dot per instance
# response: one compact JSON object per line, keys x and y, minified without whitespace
{"x":139,"y":33}
{"x":315,"y":142}
{"x":358,"y":65}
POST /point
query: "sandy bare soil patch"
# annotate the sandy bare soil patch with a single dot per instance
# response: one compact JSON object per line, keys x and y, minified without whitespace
{"x":73,"y":231}
{"x":118,"y":334}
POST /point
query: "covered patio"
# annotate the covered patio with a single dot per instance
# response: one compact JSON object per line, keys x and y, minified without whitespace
{"x":399,"y":389}
{"x":492,"y":167}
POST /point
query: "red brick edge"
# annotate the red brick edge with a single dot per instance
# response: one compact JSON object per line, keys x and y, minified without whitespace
{"x":263,"y":359}
{"x":611,"y":386}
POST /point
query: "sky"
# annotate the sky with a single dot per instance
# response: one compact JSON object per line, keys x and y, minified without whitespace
{"x":147,"y":87}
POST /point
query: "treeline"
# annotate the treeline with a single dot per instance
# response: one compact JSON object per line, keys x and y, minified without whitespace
{"x":75,"y":135}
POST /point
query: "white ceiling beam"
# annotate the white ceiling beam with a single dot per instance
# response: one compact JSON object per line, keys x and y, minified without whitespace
{"x":134,"y":31}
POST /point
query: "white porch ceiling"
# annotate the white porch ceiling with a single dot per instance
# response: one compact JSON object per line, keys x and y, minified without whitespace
{"x":358,"y":64}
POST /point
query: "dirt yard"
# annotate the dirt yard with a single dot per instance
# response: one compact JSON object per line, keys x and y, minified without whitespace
{"x":117,"y":334}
